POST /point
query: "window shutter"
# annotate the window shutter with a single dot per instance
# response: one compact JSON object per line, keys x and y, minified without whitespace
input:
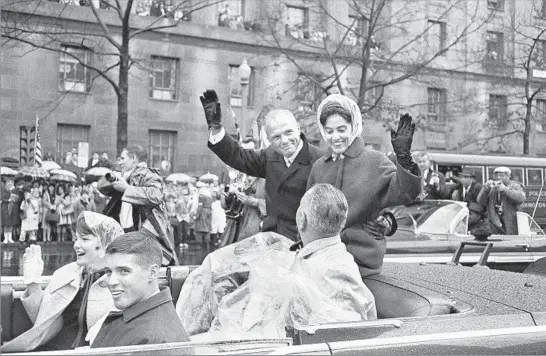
{"x":152,"y":79}
{"x":174,"y":74}
{"x":62,"y":68}
{"x":89,"y":73}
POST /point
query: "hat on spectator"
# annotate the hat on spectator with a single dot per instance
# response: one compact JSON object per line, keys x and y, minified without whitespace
{"x":502,"y":170}
{"x":466,"y":173}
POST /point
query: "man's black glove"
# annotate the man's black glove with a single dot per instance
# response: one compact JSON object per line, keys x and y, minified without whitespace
{"x":401,"y":142}
{"x":213,"y":111}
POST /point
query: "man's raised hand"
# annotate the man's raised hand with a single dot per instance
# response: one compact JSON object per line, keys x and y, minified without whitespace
{"x":212,"y":108}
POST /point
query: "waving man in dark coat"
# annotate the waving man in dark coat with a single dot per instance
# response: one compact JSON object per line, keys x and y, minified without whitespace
{"x":285,"y":164}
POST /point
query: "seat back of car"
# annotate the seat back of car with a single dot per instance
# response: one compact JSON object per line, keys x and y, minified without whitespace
{"x":395,"y":298}
{"x":15,"y":320}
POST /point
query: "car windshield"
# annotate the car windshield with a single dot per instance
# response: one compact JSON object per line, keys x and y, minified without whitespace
{"x":428,"y":217}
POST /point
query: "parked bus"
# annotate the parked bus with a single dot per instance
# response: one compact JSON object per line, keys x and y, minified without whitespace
{"x":530,"y":171}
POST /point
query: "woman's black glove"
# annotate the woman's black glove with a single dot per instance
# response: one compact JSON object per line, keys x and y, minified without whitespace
{"x":401,"y":142}
{"x":213,"y":111}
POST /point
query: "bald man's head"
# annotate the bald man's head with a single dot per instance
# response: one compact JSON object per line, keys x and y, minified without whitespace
{"x":283,"y":131}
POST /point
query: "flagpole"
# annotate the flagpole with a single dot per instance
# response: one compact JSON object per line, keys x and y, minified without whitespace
{"x":35,"y":139}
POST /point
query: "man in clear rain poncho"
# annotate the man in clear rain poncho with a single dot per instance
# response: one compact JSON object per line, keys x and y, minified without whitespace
{"x":318,"y":284}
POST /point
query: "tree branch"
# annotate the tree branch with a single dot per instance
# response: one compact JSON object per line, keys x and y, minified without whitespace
{"x":83,"y":63}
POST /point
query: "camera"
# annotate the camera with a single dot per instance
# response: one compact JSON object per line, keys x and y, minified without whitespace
{"x":234,"y":205}
{"x":110,"y":177}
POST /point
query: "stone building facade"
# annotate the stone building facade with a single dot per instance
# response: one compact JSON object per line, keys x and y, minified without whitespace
{"x":453,"y":98}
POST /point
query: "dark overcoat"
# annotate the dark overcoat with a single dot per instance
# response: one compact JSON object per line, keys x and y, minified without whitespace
{"x":370,"y":182}
{"x":151,"y":321}
{"x":284,"y":185}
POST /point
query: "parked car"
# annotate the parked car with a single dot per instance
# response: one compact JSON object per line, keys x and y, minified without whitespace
{"x":422,"y":308}
{"x":432,"y":230}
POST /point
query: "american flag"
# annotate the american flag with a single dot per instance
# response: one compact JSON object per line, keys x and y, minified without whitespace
{"x":37,"y":145}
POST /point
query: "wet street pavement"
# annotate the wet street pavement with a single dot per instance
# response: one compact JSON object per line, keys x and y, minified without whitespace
{"x":56,"y":255}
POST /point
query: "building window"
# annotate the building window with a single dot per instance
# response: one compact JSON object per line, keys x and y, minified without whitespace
{"x":161,"y":149}
{"x":69,"y":136}
{"x":540,"y":54}
{"x":236,"y":89}
{"x":436,"y":107}
{"x":163,"y":80}
{"x":231,"y":14}
{"x":495,"y":47}
{"x":308,"y":92}
{"x":374,"y":95}
{"x":541,"y":115}
{"x":437,"y":35}
{"x":73,"y":75}
{"x":358,"y":29}
{"x":297,"y":22}
{"x":497,"y":5}
{"x":498,"y":111}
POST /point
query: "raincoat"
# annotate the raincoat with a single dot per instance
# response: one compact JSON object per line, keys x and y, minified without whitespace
{"x":319,"y":285}
{"x":370,"y":182}
{"x":146,"y":195}
{"x":45,"y":307}
{"x":256,"y":287}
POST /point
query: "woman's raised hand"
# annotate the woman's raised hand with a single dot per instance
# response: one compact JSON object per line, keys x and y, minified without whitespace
{"x":402,"y":139}
{"x":33,"y":265}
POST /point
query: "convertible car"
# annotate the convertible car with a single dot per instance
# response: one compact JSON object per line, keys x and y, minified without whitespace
{"x":432,"y":230}
{"x":422,"y":308}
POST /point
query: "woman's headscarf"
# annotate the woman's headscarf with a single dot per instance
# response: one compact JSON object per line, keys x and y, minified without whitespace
{"x":102,"y":226}
{"x":349,"y":105}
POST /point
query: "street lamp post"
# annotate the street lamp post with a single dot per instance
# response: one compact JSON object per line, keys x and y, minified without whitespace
{"x":244,"y":77}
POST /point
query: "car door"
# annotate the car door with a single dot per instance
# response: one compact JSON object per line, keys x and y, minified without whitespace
{"x":537,"y":237}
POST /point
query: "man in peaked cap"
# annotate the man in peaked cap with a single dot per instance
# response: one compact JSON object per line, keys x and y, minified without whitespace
{"x":502,"y":198}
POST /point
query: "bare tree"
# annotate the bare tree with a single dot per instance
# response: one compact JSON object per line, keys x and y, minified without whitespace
{"x":523,"y":71}
{"x":381,"y":43}
{"x":107,"y":33}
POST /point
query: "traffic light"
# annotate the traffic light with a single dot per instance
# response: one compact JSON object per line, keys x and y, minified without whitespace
{"x":26,"y":145}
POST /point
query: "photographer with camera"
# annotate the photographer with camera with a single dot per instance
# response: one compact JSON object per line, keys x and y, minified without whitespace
{"x":503,"y":198}
{"x":434,"y":182}
{"x":137,"y":200}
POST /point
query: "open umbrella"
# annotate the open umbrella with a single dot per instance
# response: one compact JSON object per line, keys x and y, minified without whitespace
{"x":6,"y":171}
{"x":63,"y":172}
{"x":208,"y":178}
{"x":96,"y":173}
{"x":63,"y":178}
{"x":50,"y":165}
{"x":179,"y":178}
{"x":34,"y":172}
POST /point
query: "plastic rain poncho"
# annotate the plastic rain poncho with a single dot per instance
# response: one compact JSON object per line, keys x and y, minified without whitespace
{"x":320,"y":284}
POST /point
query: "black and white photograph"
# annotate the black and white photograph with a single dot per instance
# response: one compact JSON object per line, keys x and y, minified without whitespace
{"x":273,"y":177}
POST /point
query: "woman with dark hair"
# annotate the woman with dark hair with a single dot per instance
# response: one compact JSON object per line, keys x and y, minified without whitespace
{"x":369,"y":180}
{"x":74,"y":300}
